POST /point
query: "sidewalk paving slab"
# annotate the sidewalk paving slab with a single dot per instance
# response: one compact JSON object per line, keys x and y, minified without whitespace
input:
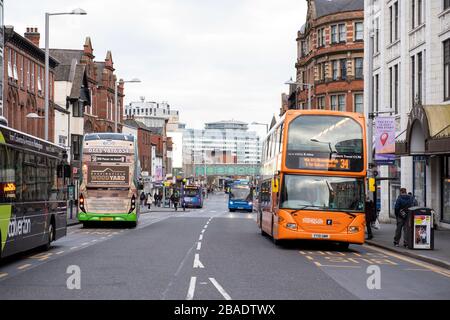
{"x":440,"y":256}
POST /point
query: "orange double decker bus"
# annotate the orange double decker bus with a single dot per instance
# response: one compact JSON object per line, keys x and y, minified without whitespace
{"x":313,"y":177}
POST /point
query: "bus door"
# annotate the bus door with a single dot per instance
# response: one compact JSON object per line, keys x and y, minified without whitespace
{"x":275,"y":203}
{"x":266,"y":206}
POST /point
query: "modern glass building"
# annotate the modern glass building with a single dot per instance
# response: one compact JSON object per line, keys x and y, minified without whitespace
{"x":223,"y":142}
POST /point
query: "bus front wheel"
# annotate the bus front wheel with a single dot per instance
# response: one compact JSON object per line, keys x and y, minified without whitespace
{"x":51,"y":236}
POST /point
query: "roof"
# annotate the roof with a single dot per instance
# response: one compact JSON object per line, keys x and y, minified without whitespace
{"x":100,"y":67}
{"x":77,"y":81}
{"x":327,"y":7}
{"x":65,"y":56}
{"x":136,"y":124}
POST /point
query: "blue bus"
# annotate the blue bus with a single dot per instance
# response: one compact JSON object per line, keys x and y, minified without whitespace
{"x":240,"y":197}
{"x":192,"y":197}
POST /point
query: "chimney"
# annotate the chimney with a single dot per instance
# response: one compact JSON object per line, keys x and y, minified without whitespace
{"x":33,"y":35}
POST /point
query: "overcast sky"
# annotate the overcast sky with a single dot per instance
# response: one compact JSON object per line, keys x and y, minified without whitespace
{"x":210,"y":59}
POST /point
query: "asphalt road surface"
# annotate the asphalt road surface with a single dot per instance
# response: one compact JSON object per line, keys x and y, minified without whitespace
{"x":210,"y":254}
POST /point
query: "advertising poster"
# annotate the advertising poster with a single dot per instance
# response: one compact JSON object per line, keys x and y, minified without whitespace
{"x":422,"y":232}
{"x":385,"y":140}
{"x":114,"y":175}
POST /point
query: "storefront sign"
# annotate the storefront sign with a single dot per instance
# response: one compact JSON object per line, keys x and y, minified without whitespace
{"x":385,"y":140}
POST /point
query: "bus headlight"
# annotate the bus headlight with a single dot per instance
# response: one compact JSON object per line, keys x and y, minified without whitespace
{"x":133,"y":204}
{"x":231,"y":202}
{"x":81,"y":203}
{"x":292,"y":226}
{"x":250,"y":203}
{"x":353,"y":229}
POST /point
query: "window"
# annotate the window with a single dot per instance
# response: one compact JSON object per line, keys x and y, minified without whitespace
{"x":413,"y":14}
{"x":359,"y":102}
{"x":377,"y":35}
{"x":341,"y":99}
{"x":10,"y":68}
{"x":15,"y":73}
{"x":376,"y":84}
{"x":393,"y":87}
{"x":320,"y":37}
{"x":335,"y":69}
{"x":342,"y":33}
{"x":32,"y":77}
{"x":321,"y":71}
{"x":393,"y":22}
{"x":359,"y":31}
{"x":359,"y":66}
{"x":39,"y":80}
{"x":447,"y":70}
{"x":419,"y":75}
{"x":413,"y":79}
{"x":419,"y":12}
{"x":321,"y":103}
{"x":333,"y":103}
{"x":78,"y":108}
{"x":334,"y":38}
{"x":343,"y":65}
{"x":22,"y":78}
{"x":28,"y":74}
{"x":446,"y":4}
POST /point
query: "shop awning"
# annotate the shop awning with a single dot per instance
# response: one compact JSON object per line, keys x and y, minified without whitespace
{"x":428,"y":131}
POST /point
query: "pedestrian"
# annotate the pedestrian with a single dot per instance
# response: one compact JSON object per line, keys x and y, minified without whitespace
{"x":149,"y":200}
{"x":371,"y":216}
{"x":402,"y":204}
{"x":142,"y":198}
{"x":175,"y":198}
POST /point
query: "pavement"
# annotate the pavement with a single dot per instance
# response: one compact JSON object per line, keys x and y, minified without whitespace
{"x":440,"y":256}
{"x":212,"y":254}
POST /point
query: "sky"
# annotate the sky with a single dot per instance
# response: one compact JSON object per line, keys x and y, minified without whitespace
{"x":210,"y":59}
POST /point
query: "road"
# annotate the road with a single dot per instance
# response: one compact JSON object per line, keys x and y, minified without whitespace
{"x":211,"y":254}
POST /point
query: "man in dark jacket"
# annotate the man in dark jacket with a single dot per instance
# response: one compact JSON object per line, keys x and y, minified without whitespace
{"x":404,"y":201}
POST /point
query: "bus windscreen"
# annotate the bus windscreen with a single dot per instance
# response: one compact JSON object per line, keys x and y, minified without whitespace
{"x":327,"y":143}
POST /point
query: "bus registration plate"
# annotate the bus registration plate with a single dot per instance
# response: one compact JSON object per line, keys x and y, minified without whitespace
{"x":107,"y":219}
{"x":320,"y":236}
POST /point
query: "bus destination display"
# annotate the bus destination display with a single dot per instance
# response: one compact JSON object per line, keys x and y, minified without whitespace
{"x":323,"y":161}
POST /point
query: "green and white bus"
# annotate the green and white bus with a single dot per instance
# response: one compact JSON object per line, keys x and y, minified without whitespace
{"x":33,"y":192}
{"x":110,"y":186}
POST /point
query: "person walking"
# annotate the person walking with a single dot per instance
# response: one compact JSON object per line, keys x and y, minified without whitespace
{"x":142,"y":198}
{"x":402,"y":204}
{"x":175,"y":198}
{"x":149,"y":200}
{"x":371,"y":216}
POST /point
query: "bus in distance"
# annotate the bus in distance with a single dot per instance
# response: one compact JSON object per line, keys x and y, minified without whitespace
{"x":33,"y":192}
{"x":110,"y":185}
{"x":193,"y":197}
{"x":313,"y":177}
{"x":240,"y":197}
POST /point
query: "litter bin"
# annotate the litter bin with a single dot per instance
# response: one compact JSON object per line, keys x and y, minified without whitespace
{"x":419,"y":228}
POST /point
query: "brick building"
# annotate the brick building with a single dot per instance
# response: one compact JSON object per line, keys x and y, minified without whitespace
{"x":24,"y":83}
{"x":144,"y":139}
{"x":100,"y":115}
{"x":330,"y":56}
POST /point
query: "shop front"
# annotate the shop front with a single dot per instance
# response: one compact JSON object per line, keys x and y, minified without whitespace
{"x":428,"y":143}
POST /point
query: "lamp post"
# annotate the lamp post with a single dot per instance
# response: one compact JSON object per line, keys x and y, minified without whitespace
{"x":262,"y":124}
{"x":309,"y":85}
{"x":116,"y":95}
{"x":47,"y":59}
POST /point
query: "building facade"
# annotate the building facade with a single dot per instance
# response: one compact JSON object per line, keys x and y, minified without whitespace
{"x":153,"y":114}
{"x":99,"y":115}
{"x":223,"y":142}
{"x":330,"y":58}
{"x":409,"y":80}
{"x":23,"y":83}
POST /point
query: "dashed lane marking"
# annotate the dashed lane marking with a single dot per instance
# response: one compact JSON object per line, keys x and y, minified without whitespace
{"x":2,"y":275}
{"x":201,"y":237}
{"x":24,"y":266}
{"x":73,"y":248}
{"x":191,"y":290}
{"x":59,"y":252}
{"x":334,"y":266}
{"x":199,"y":245}
{"x":197,"y":262}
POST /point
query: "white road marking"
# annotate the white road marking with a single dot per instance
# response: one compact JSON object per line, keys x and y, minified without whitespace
{"x":60,"y":252}
{"x":191,"y":290}
{"x":201,"y":237}
{"x":203,"y":231}
{"x":206,"y":226}
{"x":2,"y":275}
{"x":73,"y":248}
{"x":220,"y":289}
{"x":24,"y":266}
{"x":199,"y":245}
{"x":85,"y":243}
{"x":197,"y":263}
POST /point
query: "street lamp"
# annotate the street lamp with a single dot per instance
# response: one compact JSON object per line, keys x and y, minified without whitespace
{"x":77,"y":11}
{"x":134,"y":80}
{"x":261,"y":124}
{"x":309,"y":85}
